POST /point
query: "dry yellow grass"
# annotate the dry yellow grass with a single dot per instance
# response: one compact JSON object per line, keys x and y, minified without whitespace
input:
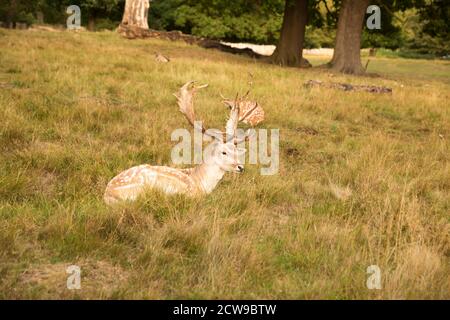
{"x":364,"y":178}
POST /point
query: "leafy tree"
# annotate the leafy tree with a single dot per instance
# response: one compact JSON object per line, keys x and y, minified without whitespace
{"x":390,"y":35}
{"x":92,"y":10}
{"x":239,"y":20}
{"x":290,"y":46}
{"x":346,"y":56}
{"x":434,"y":35}
{"x":416,"y":25}
{"x":14,"y":11}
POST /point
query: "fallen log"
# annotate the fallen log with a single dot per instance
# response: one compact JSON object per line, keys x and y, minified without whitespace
{"x":131,"y":32}
{"x":347,"y":86}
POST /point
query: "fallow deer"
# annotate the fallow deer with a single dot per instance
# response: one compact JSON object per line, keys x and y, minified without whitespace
{"x":223,"y":156}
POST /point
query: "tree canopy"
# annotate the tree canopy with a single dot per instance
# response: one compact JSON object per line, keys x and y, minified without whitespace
{"x":419,"y":25}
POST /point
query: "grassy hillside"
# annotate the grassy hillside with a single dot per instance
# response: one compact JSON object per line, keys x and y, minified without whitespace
{"x":364,"y":178}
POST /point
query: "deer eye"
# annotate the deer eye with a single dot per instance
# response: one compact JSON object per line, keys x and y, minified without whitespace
{"x":224,"y":153}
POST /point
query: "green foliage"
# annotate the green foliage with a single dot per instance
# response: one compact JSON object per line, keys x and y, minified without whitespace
{"x":404,"y":53}
{"x":17,"y":11}
{"x":426,"y":44}
{"x":436,"y":17}
{"x":419,"y":38}
{"x":102,"y":10}
{"x":389,"y":36}
{"x":26,"y":17}
{"x":423,"y":30}
{"x":319,"y":38}
{"x":243,"y":20}
{"x":106,"y":24}
{"x":54,"y":11}
{"x":417,"y":28}
{"x":372,"y":39}
{"x":434,"y":37}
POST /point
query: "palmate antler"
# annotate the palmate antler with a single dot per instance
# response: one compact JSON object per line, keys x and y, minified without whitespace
{"x":185,"y":99}
{"x":250,"y":112}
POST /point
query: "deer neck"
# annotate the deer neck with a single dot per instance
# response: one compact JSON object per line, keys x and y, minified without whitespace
{"x":207,"y":176}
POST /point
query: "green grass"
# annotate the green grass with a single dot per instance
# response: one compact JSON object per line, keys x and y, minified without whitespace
{"x":78,"y":108}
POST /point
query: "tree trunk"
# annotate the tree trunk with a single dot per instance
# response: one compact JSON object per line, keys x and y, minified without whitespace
{"x":40,"y":17}
{"x":91,"y":22}
{"x":135,"y":19}
{"x":347,"y":57}
{"x":11,"y":15}
{"x":290,"y":46}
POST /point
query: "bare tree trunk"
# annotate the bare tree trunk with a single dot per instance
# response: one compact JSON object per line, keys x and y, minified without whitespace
{"x":40,"y":17}
{"x":91,"y":22}
{"x":290,"y":46}
{"x":135,"y":19}
{"x":11,"y":15}
{"x":347,"y":57}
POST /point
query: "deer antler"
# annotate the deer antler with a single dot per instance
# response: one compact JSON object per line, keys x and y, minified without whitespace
{"x":185,"y":100}
{"x":250,"y":112}
{"x":232,"y":121}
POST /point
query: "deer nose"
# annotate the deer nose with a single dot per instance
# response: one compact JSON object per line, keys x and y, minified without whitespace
{"x":240,"y":168}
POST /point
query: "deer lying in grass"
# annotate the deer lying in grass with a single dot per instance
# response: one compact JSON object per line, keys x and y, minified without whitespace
{"x":223,"y":156}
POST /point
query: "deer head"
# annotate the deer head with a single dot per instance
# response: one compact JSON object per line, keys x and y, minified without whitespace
{"x":226,"y":155}
{"x":223,"y":151}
